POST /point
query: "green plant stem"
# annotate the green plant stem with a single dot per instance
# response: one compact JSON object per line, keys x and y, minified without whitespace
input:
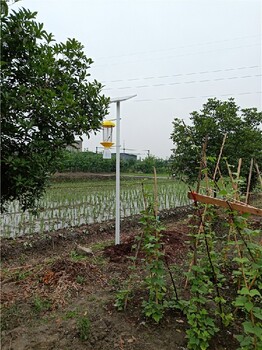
{"x":240,"y":234}
{"x":202,"y":223}
{"x":134,"y":265}
{"x":171,"y":276}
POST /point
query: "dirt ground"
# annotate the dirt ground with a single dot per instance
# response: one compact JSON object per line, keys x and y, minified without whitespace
{"x":50,"y":292}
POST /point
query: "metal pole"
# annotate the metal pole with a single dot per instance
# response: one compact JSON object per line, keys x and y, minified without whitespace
{"x":117,"y":224}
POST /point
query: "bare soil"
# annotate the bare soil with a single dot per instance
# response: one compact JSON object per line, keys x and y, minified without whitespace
{"x":48,"y":290}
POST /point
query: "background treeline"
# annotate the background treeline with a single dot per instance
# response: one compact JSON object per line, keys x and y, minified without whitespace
{"x":94,"y":163}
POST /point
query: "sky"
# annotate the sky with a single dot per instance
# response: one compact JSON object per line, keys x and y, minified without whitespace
{"x":173,"y":55}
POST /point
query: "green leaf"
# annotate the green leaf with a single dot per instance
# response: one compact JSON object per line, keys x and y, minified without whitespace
{"x":249,"y":306}
{"x":253,"y":329}
{"x":257,"y":312}
{"x":254,"y":292}
{"x":244,"y":291}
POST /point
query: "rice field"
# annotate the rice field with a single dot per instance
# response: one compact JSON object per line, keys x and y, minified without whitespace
{"x":70,"y":204}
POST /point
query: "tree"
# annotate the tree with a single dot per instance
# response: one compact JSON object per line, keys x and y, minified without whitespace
{"x":46,"y":99}
{"x":244,"y":138}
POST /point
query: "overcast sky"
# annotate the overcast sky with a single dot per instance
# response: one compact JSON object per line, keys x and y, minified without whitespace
{"x":172,"y":54}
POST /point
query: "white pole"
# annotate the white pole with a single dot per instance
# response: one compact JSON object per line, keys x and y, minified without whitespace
{"x":117,"y":224}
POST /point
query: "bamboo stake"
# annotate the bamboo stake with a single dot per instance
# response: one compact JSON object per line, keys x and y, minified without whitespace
{"x":206,"y":174}
{"x":221,"y":177}
{"x":234,"y":185}
{"x":155,"y":194}
{"x":219,"y":157}
{"x":239,"y":168}
{"x":249,"y":179}
{"x":230,"y":173}
{"x":204,"y":146}
{"x":259,"y":175}
{"x":236,"y":195}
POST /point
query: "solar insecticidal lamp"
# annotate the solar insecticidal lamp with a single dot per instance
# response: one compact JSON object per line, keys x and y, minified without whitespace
{"x":107,"y":142}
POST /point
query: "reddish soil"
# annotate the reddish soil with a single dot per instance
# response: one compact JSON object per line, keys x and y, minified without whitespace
{"x":48,"y":289}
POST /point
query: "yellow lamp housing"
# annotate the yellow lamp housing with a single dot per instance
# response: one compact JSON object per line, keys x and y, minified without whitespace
{"x":108,"y":126}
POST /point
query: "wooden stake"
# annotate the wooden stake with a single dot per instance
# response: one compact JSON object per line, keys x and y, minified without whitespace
{"x":155,"y":194}
{"x":234,"y":185}
{"x":219,"y":157}
{"x":249,"y":179}
{"x":258,"y":173}
{"x":237,"y":178}
{"x":204,"y":146}
{"x":239,"y":206}
{"x":208,"y":191}
{"x":221,"y":176}
{"x":230,"y":173}
{"x":239,"y":168}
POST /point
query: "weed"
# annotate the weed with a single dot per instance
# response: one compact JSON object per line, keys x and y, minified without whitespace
{"x":114,"y":282}
{"x":70,"y":314}
{"x":9,"y":315}
{"x":92,"y":297}
{"x":121,"y":299}
{"x":41,"y":304}
{"x":15,"y":315}
{"x":20,"y":275}
{"x":101,"y":245}
{"x":76,"y":256}
{"x":83,"y":326}
{"x":22,"y":258}
{"x":100,"y":260}
{"x":80,"y":279}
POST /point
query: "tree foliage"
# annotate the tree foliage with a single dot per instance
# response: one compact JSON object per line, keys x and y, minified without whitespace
{"x":94,"y":163}
{"x":217,"y":118}
{"x":46,"y":99}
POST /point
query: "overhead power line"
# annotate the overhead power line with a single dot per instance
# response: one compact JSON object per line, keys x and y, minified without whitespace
{"x":184,"y":82}
{"x":199,"y":96}
{"x":152,"y":58}
{"x":183,"y":74}
{"x":178,"y":47}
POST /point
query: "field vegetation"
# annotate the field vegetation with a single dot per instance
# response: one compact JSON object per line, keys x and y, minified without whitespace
{"x":69,"y":204}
